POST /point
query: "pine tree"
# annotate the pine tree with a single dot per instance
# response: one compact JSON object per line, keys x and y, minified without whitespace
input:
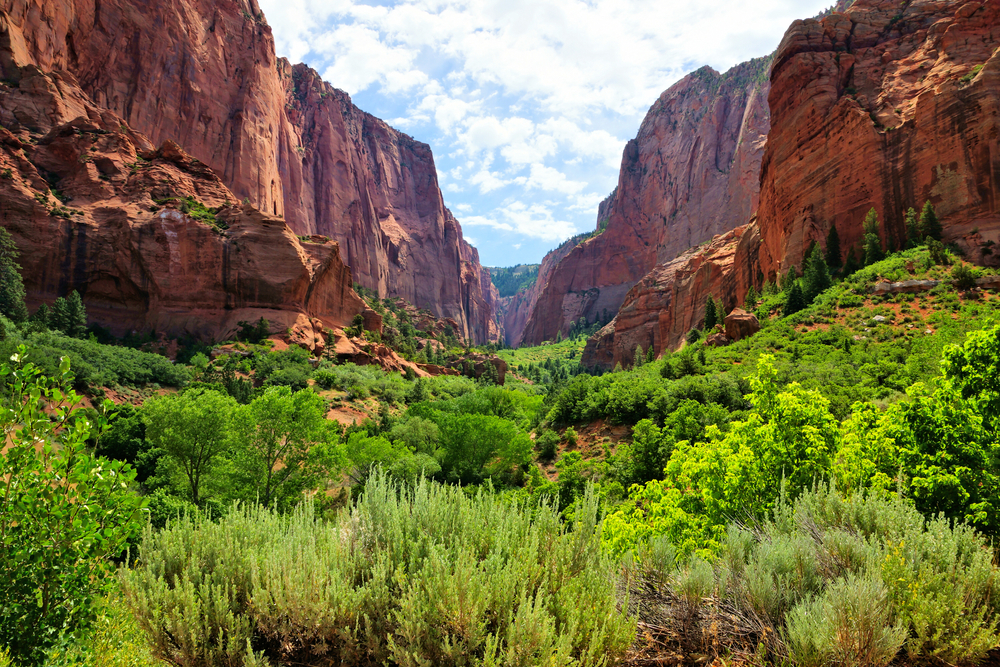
{"x":59,"y":319}
{"x":76,"y":314}
{"x":913,"y":235}
{"x":650,"y":355}
{"x":929,"y":223}
{"x":42,"y":316}
{"x":640,"y":357}
{"x":711,"y":316}
{"x":833,"y":257}
{"x":872,"y":243}
{"x":751,"y":299}
{"x":817,"y":276}
{"x":11,"y":284}
{"x":851,"y":263}
{"x":795,"y":301}
{"x":789,"y":280}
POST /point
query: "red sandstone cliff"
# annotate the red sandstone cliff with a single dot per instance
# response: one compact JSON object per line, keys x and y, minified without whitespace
{"x":691,"y":173}
{"x":117,"y":232}
{"x":203,"y":73}
{"x":883,"y":105}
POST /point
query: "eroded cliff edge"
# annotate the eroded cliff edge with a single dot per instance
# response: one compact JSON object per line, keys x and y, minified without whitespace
{"x":691,"y":173}
{"x":203,"y":73}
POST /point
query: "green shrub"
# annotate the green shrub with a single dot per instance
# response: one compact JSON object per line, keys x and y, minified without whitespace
{"x":849,"y":624}
{"x":547,"y":443}
{"x":363,"y":381}
{"x":100,"y":365}
{"x":63,"y":513}
{"x":964,"y":277}
{"x":835,"y":580}
{"x":428,"y":576}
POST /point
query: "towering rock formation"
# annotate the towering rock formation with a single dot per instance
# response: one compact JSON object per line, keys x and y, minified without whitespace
{"x":692,"y":172}
{"x":93,"y":208}
{"x":885,"y":106}
{"x":203,"y":73}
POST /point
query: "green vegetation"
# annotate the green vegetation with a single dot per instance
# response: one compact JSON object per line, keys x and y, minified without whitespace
{"x":11,"y":284}
{"x":193,"y":208}
{"x":512,"y":280}
{"x":831,"y":579}
{"x":63,"y":513}
{"x":822,"y":492}
{"x":421,"y":576}
{"x":972,"y":74}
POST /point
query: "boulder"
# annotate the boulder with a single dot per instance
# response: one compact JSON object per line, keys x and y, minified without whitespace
{"x":372,"y":321}
{"x":717,"y":340}
{"x":906,"y":286}
{"x":740,"y":324}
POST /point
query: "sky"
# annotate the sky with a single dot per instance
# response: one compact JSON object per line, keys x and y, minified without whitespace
{"x":526,"y":104}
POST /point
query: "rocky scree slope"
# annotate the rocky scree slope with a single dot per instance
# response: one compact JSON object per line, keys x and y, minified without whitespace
{"x":203,"y":73}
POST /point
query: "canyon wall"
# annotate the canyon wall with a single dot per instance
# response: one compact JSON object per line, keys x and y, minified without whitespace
{"x":93,"y":208}
{"x":691,"y":173}
{"x":203,"y":73}
{"x":885,"y":106}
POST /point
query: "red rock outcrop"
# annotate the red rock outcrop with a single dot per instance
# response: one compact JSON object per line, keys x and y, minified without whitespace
{"x":670,"y":300}
{"x":203,"y":73}
{"x":691,"y":173}
{"x":884,"y":106}
{"x":740,"y":324}
{"x":514,"y":311}
{"x":92,"y":208}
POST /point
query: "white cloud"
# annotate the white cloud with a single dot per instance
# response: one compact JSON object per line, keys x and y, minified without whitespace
{"x":526,"y":103}
{"x":552,"y":180}
{"x":487,"y":181}
{"x":535,"y":221}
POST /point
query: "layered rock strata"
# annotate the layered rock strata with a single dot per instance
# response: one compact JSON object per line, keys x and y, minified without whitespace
{"x":203,"y":73}
{"x":670,"y":300}
{"x":886,"y":107}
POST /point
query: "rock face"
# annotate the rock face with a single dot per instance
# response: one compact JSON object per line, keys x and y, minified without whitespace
{"x":119,"y":231}
{"x":691,"y":173}
{"x":515,"y":310}
{"x":883,"y":107}
{"x":670,"y":300}
{"x":203,"y":73}
{"x":740,"y":324}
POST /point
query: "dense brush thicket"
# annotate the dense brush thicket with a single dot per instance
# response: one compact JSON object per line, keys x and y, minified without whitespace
{"x":427,"y":575}
{"x":829,"y":580}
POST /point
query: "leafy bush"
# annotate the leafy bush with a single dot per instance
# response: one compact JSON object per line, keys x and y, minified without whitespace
{"x":964,"y":277}
{"x":834,"y":580}
{"x":788,"y":438}
{"x":290,"y":368}
{"x":363,"y":381}
{"x":428,"y":576}
{"x":100,"y":365}
{"x":63,"y":513}
{"x":547,"y":443}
